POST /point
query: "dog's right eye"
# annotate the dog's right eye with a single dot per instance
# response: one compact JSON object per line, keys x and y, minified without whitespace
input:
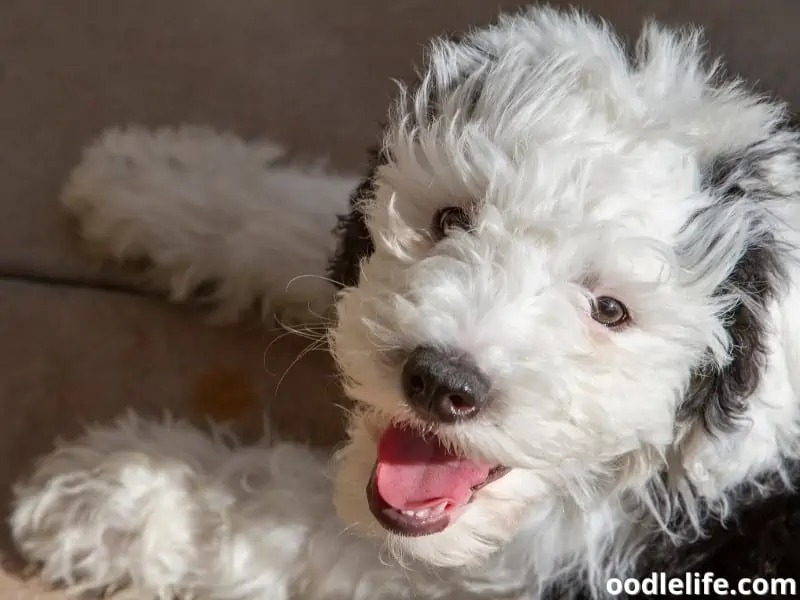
{"x":449,"y":220}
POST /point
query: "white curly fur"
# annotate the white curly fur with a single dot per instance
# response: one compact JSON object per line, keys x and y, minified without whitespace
{"x":203,"y":208}
{"x":581,"y":169}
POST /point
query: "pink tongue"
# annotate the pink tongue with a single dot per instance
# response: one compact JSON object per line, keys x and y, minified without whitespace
{"x":414,"y":473}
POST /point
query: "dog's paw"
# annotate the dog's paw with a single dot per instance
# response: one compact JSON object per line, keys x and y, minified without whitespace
{"x":94,"y":518}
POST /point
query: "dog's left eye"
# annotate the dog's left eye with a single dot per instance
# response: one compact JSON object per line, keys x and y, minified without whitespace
{"x":449,"y":220}
{"x":610,"y":312}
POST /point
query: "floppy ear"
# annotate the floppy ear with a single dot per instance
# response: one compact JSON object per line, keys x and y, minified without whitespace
{"x":354,"y":242}
{"x":737,"y":241}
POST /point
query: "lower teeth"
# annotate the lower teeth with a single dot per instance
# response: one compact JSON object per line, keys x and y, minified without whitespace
{"x":425,"y":513}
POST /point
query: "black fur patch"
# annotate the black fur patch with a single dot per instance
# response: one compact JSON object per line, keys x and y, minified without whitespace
{"x":755,"y":540}
{"x":719,"y":398}
{"x":355,"y":242}
{"x":759,"y":540}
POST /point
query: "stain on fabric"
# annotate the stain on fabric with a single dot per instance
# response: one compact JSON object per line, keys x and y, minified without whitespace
{"x":224,"y":395}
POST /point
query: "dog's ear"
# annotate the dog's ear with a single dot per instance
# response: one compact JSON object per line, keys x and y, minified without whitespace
{"x":737,"y":241}
{"x":353,"y":240}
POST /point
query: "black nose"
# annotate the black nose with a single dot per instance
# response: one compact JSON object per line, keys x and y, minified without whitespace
{"x":444,"y":387}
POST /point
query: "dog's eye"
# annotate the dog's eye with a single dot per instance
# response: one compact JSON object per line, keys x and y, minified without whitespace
{"x":449,"y":220}
{"x":610,"y":312}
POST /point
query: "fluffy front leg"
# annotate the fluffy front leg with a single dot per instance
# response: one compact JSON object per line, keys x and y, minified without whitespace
{"x":211,"y":215}
{"x":168,"y":511}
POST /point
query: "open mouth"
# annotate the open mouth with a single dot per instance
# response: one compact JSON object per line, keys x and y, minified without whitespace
{"x":418,"y":486}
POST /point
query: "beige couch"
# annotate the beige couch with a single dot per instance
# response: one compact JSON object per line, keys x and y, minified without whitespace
{"x":313,"y":74}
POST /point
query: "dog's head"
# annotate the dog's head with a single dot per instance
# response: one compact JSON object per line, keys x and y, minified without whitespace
{"x":568,"y":245}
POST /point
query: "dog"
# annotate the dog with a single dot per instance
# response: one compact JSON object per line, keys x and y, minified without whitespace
{"x":564,"y":303}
